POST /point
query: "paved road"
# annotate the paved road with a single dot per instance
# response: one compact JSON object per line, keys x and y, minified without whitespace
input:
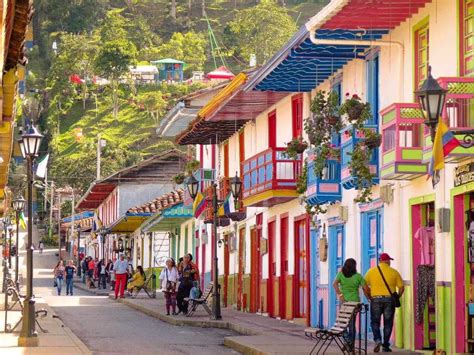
{"x":106,"y":326}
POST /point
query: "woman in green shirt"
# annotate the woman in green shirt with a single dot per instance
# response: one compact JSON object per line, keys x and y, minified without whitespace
{"x":347,"y":284}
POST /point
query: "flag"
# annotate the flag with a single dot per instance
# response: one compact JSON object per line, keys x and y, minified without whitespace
{"x":228,"y":205}
{"x":42,"y":167}
{"x":97,"y":221}
{"x":22,"y":220}
{"x":444,"y":143}
{"x":199,"y":205}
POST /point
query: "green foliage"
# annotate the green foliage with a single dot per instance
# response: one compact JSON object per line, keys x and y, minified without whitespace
{"x":261,"y":30}
{"x":115,"y":57}
{"x":154,"y":104}
{"x":188,"y":47}
{"x":50,"y":241}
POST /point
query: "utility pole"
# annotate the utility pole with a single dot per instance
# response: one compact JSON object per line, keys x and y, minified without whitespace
{"x":59,"y":225}
{"x":72,"y":225}
{"x":51,"y":204}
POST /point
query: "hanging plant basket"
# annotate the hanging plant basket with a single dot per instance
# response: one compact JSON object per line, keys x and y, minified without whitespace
{"x":295,"y":147}
{"x":179,"y":179}
{"x":333,"y":120}
{"x":355,"y":111}
{"x":301,"y":147}
{"x":192,"y":166}
{"x":374,"y":141}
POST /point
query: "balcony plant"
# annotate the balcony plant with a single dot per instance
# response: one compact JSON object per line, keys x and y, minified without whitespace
{"x":296,"y":147}
{"x":192,"y":166}
{"x":179,"y":179}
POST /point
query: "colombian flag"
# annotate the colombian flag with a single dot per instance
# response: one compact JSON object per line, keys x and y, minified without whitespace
{"x":22,"y":220}
{"x":199,"y":205}
{"x":444,"y":143}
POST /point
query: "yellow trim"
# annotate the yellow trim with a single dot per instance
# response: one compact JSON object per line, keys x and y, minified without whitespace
{"x":419,"y":25}
{"x":222,"y":95}
{"x":266,"y":195}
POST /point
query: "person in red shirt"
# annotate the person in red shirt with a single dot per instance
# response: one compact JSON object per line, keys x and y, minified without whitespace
{"x":90,"y":273}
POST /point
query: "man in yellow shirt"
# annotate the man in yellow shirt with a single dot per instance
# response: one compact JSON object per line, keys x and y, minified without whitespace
{"x":381,"y":300}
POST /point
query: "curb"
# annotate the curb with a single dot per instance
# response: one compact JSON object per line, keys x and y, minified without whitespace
{"x":96,"y":292}
{"x":233,"y":343}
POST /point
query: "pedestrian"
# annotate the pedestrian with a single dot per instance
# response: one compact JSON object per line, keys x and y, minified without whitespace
{"x":85,"y":265}
{"x":90,"y":273}
{"x":137,"y":280}
{"x":59,"y":276}
{"x":130,"y":270}
{"x":378,"y":281}
{"x":347,"y":284}
{"x":102,"y":274}
{"x":111,"y":273}
{"x":120,"y":269}
{"x":69,"y":271}
{"x":195,"y":292}
{"x":188,"y":273}
{"x":41,"y":246}
{"x":169,"y":278}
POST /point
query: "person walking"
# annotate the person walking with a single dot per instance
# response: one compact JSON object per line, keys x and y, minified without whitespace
{"x":347,"y":284}
{"x":102,"y":270}
{"x":188,"y":273}
{"x":85,"y":263}
{"x":69,"y":271}
{"x":169,"y":278}
{"x":381,"y":286}
{"x":90,"y":273}
{"x":120,"y":269}
{"x":59,"y":276}
{"x":41,"y":246}
{"x":111,"y":273}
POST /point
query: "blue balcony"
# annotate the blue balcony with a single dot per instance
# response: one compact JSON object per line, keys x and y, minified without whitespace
{"x":349,"y":138}
{"x":327,"y":187}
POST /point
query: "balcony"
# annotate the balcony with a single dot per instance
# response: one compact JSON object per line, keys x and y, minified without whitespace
{"x":327,"y":187}
{"x":458,"y":113}
{"x":402,"y":151}
{"x":240,"y":212}
{"x":222,"y":221}
{"x":349,"y":138}
{"x":269,"y":178}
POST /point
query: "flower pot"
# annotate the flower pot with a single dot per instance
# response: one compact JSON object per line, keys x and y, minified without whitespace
{"x":355,"y":111}
{"x":301,"y":147}
{"x":179,"y":179}
{"x":373,"y":142}
{"x":333,"y":120}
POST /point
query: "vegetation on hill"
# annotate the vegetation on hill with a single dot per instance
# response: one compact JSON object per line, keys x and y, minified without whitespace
{"x":103,"y":38}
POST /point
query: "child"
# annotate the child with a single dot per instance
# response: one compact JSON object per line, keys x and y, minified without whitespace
{"x":195,"y":291}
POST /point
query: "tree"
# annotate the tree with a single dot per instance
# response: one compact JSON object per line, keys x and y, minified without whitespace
{"x":113,"y":62}
{"x":188,"y":47}
{"x":260,"y":30}
{"x":154,"y":104}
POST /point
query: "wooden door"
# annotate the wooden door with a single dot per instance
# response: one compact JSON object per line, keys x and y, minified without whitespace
{"x":272,"y":133}
{"x":254,"y":270}
{"x":271,"y":269}
{"x":240,"y":271}
{"x":301,"y":280}
{"x":336,"y":258}
{"x":226,"y":269}
{"x":196,"y":249}
{"x":203,"y":264}
{"x":283,"y":265}
{"x":297,"y":115}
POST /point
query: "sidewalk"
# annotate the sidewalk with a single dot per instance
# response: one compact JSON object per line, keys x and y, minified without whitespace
{"x":59,"y":339}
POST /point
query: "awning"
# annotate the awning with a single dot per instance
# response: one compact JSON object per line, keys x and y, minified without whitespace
{"x":129,"y":222}
{"x":94,"y":197}
{"x":168,"y":219}
{"x":302,"y":65}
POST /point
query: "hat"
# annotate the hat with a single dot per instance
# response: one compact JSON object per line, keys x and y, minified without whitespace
{"x":385,"y":257}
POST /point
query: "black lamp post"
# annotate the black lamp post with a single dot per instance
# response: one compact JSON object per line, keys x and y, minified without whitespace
{"x":29,"y":146}
{"x":78,"y":228}
{"x":193,"y":186}
{"x":18,"y":205}
{"x":6,"y":230}
{"x":431,"y":97}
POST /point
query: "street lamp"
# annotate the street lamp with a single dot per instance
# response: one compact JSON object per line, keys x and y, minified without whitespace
{"x":6,"y":228}
{"x":29,"y":144}
{"x":18,"y":205}
{"x":192,"y":185}
{"x":431,"y":97}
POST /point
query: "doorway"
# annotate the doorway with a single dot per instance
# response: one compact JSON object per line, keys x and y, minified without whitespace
{"x":336,"y":259}
{"x":254,"y":270}
{"x":283,"y":265}
{"x":240,"y":272}
{"x":271,"y":268}
{"x":371,"y":232}
{"x":226,"y":269}
{"x":301,"y":280}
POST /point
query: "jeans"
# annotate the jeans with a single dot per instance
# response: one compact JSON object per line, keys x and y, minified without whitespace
{"x":103,"y":281}
{"x":69,"y":285}
{"x":59,"y":284}
{"x":84,"y":272}
{"x":382,"y":307}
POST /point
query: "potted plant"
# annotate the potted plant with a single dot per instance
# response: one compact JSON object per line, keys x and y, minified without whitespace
{"x":179,"y":179}
{"x":372,"y":139}
{"x":295,"y":147}
{"x":357,"y":111}
{"x":192,"y":166}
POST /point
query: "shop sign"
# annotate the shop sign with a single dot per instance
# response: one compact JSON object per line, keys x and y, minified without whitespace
{"x":464,"y":174}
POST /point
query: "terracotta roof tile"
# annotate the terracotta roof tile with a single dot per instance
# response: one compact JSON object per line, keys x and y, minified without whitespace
{"x":160,"y":203}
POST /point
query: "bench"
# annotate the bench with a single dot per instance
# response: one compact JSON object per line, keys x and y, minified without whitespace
{"x":19,"y":299}
{"x":147,"y":287}
{"x":203,"y":301}
{"x":337,"y":333}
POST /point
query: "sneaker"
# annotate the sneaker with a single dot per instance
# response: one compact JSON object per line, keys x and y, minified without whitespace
{"x":377,"y":347}
{"x":386,"y":349}
{"x":167,"y":313}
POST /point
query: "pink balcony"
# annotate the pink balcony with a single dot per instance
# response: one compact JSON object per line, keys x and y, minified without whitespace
{"x":269,"y":178}
{"x":402,"y":150}
{"x":458,"y":112}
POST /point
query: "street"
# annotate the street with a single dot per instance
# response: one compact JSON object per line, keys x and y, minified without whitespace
{"x":106,"y":326}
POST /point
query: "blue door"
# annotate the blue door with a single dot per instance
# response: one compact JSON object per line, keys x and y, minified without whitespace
{"x":371,"y":234}
{"x":314,"y":284}
{"x":336,"y":246}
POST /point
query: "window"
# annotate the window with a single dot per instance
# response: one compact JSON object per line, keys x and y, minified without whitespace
{"x":466,"y":37}
{"x":272,"y":135}
{"x":372,"y":69}
{"x":297,"y":113}
{"x":421,"y":52}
